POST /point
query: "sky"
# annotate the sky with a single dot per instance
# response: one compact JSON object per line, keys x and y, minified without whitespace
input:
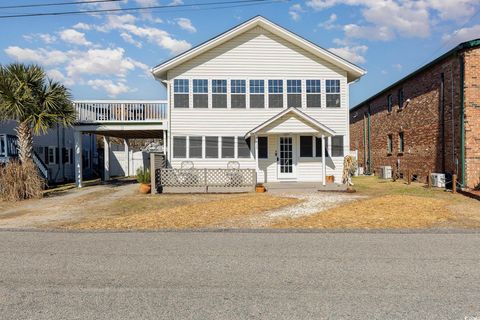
{"x":109,"y":56}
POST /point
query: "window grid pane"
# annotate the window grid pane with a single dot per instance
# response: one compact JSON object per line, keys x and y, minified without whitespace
{"x":313,"y":86}
{"x":237,"y":86}
{"x":275,"y":86}
{"x":294,"y":86}
{"x":200,"y":86}
{"x":219,"y":86}
{"x":257,"y":86}
{"x":180,"y":85}
{"x":332,"y":86}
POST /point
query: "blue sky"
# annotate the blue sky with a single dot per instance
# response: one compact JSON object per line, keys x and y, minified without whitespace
{"x":109,"y":56}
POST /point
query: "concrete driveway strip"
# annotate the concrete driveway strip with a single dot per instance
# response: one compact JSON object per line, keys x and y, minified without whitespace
{"x":207,"y":275}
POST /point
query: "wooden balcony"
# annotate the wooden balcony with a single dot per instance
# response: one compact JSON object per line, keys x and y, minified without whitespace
{"x":120,"y":111}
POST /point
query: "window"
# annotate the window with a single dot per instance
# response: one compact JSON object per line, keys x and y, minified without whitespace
{"x":389,"y":103}
{"x":86,"y":159}
{"x":219,"y":93}
{"x":179,"y":147}
{"x":243,"y":147}
{"x":306,"y":146}
{"x":332,"y":88}
{"x":237,"y":88}
{"x":200,"y":93}
{"x":211,"y":147}
{"x":228,"y":147}
{"x":275,"y":96}
{"x":401,"y":142}
{"x":195,"y":147}
{"x":52,"y":159}
{"x":389,"y":144}
{"x":318,"y":148}
{"x":262,"y":147}
{"x":294,"y":93}
{"x":314,"y":97}
{"x":257,"y":94}
{"x":180,"y":96}
{"x":66,"y":155}
{"x":337,"y":146}
{"x":400,"y":99}
{"x":3,"y":146}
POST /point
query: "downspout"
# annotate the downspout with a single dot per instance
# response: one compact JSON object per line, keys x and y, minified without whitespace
{"x":369,"y":145}
{"x":462,"y":120}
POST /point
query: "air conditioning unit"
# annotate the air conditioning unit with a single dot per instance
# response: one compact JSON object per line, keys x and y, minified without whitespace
{"x":360,"y":171}
{"x":438,"y":180}
{"x":386,"y":172}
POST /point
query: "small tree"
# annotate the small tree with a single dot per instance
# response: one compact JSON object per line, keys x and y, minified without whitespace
{"x":34,"y":101}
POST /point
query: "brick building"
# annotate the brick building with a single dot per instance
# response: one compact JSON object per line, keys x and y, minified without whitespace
{"x":427,"y":121}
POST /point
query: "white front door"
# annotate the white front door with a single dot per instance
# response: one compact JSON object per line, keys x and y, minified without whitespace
{"x":286,"y":158}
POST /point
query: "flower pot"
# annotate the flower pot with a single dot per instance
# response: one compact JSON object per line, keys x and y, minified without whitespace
{"x":330,"y":179}
{"x":145,"y":188}
{"x":260,"y":189}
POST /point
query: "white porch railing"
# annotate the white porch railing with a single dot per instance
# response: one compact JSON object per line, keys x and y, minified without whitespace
{"x":99,"y":111}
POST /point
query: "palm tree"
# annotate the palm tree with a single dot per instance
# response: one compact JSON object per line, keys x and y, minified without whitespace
{"x":36,"y":102}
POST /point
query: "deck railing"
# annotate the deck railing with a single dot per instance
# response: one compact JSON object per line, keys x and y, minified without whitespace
{"x":99,"y":111}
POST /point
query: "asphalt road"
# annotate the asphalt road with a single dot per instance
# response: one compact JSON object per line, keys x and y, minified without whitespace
{"x":205,"y":275}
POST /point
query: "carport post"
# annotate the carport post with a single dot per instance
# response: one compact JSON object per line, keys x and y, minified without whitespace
{"x":106,"y":157}
{"x":324,"y":168}
{"x":255,"y":138}
{"x":127,"y":157}
{"x":77,"y":136}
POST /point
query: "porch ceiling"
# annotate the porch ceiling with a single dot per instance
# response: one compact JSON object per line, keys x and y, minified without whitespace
{"x":130,"y":134}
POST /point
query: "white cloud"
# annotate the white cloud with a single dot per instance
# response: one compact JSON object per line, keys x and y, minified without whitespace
{"x":397,"y":66}
{"x":74,"y":37}
{"x":44,"y":37}
{"x":113,"y":89}
{"x":40,"y":55}
{"x":330,"y":23}
{"x":175,"y":2}
{"x":128,"y":38}
{"x":295,"y":11}
{"x":463,"y":34}
{"x":82,"y":26}
{"x":353,"y":54}
{"x":372,"y":33}
{"x":186,"y":24}
{"x":57,"y":75}
{"x":146,"y":3}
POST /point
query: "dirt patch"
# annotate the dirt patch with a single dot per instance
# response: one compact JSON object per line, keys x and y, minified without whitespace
{"x":216,"y":213}
{"x":391,"y":211}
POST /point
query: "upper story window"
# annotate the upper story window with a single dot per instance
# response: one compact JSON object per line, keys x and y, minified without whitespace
{"x":294,"y":93}
{"x":180,"y":96}
{"x":400,"y":99}
{"x":332,"y":88}
{"x":275,"y":93}
{"x":238,"y":90}
{"x":219,"y":93}
{"x":389,"y":103}
{"x":200,"y":93}
{"x":314,"y":97}
{"x":401,"y":142}
{"x":3,"y":146}
{"x":389,"y":144}
{"x":257,"y":94}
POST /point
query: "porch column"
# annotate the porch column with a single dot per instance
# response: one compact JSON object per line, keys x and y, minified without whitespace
{"x":164,"y":143}
{"x":106,"y":157}
{"x":77,"y":137}
{"x":127,"y":157}
{"x":255,"y":138}
{"x":324,"y":167}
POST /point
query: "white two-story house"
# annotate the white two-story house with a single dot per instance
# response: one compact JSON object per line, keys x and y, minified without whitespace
{"x":261,"y":97}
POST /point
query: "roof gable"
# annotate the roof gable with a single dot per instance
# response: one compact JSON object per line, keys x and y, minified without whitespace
{"x":353,"y":72}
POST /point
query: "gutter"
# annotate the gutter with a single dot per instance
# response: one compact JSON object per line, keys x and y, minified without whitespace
{"x":462,"y":119}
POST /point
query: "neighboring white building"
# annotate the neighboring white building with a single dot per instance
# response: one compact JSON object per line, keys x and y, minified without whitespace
{"x":264,"y":97}
{"x":54,"y":151}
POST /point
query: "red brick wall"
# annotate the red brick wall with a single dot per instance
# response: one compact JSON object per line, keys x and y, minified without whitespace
{"x":472,"y":116}
{"x":432,"y":142}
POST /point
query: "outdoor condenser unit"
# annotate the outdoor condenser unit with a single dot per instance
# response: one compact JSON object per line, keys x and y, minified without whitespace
{"x":438,"y":180}
{"x":386,"y":172}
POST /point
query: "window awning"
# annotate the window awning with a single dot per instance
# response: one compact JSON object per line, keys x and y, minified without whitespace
{"x":291,"y":120}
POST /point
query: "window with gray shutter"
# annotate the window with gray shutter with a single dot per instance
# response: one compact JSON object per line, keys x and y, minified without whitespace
{"x":337,"y":146}
{"x":180,"y":96}
{"x":243,"y":147}
{"x":314,"y":96}
{"x":228,"y":147}
{"x":219,"y":93}
{"x":237,"y":94}
{"x":195,"y":146}
{"x":257,"y":94}
{"x":294,"y":93}
{"x":211,"y":147}
{"x":332,"y":88}
{"x":200,"y":93}
{"x":275,"y":93}
{"x":179,"y":147}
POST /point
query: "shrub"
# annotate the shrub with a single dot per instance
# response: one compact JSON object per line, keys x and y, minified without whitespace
{"x":20,"y":181}
{"x":143,"y":176}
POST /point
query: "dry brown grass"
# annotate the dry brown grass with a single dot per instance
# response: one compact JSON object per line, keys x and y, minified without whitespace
{"x":20,"y":181}
{"x":385,"y":212}
{"x":197,"y":215}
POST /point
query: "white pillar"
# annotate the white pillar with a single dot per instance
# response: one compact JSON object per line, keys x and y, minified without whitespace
{"x":164,"y":142}
{"x":127,"y":157}
{"x":106,"y":157}
{"x":255,"y":138}
{"x":324,"y":168}
{"x":77,"y":136}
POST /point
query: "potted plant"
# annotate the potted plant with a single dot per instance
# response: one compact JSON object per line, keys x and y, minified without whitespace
{"x":260,"y":188}
{"x":143,"y":177}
